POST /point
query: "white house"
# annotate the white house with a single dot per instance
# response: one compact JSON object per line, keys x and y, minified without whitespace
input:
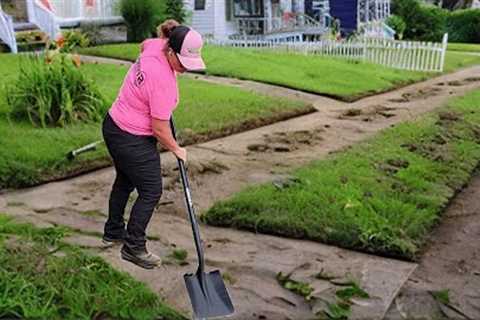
{"x":276,"y":18}
{"x":223,"y":18}
{"x":270,"y":19}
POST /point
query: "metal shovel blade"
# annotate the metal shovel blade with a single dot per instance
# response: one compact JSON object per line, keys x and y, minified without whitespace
{"x":208,"y":295}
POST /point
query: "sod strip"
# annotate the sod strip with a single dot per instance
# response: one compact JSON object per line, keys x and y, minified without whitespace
{"x":30,"y":155}
{"x":382,"y":196}
{"x":464,"y":47}
{"x":338,"y":78}
{"x":43,"y":278}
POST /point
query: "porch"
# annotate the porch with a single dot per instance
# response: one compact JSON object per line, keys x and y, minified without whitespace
{"x":72,"y":12}
{"x":267,"y":17}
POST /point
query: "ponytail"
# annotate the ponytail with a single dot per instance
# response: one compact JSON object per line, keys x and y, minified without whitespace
{"x":165,"y":29}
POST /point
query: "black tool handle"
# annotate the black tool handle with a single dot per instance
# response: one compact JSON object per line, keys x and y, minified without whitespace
{"x":189,"y":204}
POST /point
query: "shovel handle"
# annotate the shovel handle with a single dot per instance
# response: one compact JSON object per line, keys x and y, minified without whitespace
{"x":189,"y":205}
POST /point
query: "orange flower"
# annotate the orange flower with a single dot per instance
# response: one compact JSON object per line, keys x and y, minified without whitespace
{"x":76,"y":60}
{"x":60,"y":41}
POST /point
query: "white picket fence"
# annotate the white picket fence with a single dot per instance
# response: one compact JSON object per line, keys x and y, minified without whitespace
{"x":407,"y":55}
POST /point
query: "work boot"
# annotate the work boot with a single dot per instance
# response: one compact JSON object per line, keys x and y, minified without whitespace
{"x":141,"y":258}
{"x":110,"y":241}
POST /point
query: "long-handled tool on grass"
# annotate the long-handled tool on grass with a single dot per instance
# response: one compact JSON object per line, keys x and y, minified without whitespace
{"x":89,"y":147}
{"x":207,"y":291}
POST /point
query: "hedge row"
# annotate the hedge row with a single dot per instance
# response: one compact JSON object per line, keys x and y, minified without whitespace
{"x":429,"y":23}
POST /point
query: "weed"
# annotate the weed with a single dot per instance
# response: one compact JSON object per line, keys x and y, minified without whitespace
{"x":302,"y":288}
{"x":442,"y":296}
{"x":229,"y":277}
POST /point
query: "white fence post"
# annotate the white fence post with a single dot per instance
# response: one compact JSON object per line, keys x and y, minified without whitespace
{"x":444,"y":51}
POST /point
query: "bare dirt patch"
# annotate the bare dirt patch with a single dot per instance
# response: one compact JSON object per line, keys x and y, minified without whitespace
{"x":459,"y":82}
{"x":423,"y":93}
{"x":368,"y":114}
{"x":287,"y":141}
{"x":450,"y":264}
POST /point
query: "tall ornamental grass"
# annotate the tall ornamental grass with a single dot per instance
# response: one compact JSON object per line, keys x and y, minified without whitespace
{"x":53,"y":93}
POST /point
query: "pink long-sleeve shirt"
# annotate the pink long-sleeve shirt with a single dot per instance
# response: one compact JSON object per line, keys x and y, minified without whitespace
{"x":149,"y":90}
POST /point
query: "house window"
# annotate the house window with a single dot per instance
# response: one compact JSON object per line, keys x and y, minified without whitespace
{"x":248,"y":8}
{"x":200,"y":4}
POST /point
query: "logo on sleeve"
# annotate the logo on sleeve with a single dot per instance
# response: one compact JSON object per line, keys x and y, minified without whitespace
{"x":139,"y":74}
{"x":139,"y":78}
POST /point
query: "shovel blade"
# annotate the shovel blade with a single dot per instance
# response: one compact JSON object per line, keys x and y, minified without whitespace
{"x":209,"y":297}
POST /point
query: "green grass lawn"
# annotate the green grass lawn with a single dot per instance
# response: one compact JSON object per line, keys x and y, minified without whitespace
{"x":466,"y":47}
{"x":333,"y":77}
{"x":31,"y":155}
{"x":382,"y":196}
{"x":43,"y":278}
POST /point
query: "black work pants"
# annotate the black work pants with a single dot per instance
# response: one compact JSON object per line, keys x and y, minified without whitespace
{"x":137,"y":164}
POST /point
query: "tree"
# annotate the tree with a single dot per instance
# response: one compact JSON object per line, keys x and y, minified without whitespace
{"x":456,"y":4}
{"x":139,"y":17}
{"x":174,"y":10}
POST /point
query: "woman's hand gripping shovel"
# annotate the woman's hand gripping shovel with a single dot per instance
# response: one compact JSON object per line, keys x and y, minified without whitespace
{"x":207,"y":291}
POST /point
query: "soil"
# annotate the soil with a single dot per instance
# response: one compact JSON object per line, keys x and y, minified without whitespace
{"x":450,"y":262}
{"x":250,"y":262}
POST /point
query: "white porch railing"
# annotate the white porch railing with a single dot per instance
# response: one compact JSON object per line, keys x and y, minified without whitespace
{"x":43,"y":18}
{"x":295,"y":22}
{"x":376,"y":29}
{"x":372,"y":10}
{"x":7,"y":33}
{"x":407,"y":55}
{"x":78,"y":9}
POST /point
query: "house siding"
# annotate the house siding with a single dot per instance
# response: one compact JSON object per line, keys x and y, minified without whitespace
{"x":203,"y":20}
{"x":212,"y":20}
{"x":223,"y":28}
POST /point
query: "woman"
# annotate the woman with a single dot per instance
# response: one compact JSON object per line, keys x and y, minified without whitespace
{"x":136,"y":121}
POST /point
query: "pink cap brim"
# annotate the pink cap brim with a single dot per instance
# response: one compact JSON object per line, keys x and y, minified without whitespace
{"x":191,"y":63}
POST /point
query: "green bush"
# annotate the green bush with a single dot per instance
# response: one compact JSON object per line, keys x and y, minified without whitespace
{"x":140,"y":17}
{"x":175,"y":10}
{"x":464,"y":26}
{"x":423,"y":22}
{"x":397,"y":24}
{"x":54,"y":93}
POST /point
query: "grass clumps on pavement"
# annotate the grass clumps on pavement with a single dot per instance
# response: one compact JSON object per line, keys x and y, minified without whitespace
{"x":381,"y":196}
{"x":43,"y":278}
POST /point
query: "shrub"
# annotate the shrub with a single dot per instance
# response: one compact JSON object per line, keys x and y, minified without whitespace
{"x":140,"y":18}
{"x":175,"y":10}
{"x":53,"y":94}
{"x":464,"y":26}
{"x":397,"y":24}
{"x":424,"y":23}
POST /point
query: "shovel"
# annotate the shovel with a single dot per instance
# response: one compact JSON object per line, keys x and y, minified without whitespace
{"x":207,"y":291}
